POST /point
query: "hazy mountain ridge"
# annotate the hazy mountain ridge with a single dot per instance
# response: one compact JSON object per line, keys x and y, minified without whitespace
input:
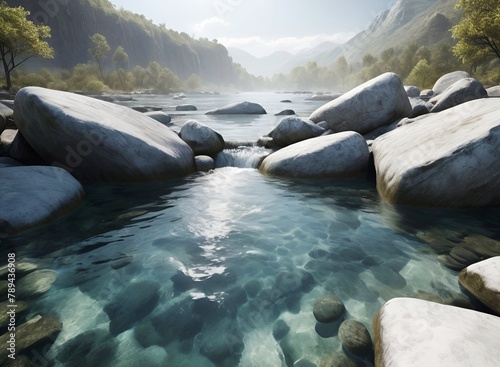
{"x":277,"y":62}
{"x":73,"y":22}
{"x":425,"y":22}
{"x":261,"y":66}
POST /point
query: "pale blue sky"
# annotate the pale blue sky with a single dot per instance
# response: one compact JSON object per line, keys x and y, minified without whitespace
{"x":263,"y":26}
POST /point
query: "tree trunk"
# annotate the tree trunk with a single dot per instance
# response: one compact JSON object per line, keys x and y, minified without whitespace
{"x":7,"y":74}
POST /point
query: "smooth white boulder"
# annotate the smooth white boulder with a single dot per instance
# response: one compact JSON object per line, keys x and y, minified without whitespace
{"x":338,"y":155}
{"x":99,"y":141}
{"x":378,"y":102}
{"x":448,"y":159}
{"x":35,"y":195}
{"x":201,"y":138}
{"x":291,"y":130}
{"x":243,"y":108}
{"x":462,"y":91}
{"x":415,"y":333}
{"x":482,"y":279}
{"x":447,"y":80}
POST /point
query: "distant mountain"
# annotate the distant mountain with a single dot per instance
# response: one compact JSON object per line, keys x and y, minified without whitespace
{"x":278,"y":62}
{"x":310,"y":54}
{"x":261,"y":66}
{"x":73,"y":22}
{"x":425,"y":22}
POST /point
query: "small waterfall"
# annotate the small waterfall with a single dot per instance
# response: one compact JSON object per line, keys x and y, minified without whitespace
{"x":242,"y":157}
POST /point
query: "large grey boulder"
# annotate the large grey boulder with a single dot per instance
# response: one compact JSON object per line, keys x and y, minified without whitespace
{"x":337,"y":155}
{"x":35,"y":195}
{"x":375,"y":103}
{"x":291,"y":130}
{"x":99,"y":141}
{"x":446,"y":159}
{"x":462,"y":91}
{"x":245,"y":107}
{"x":447,"y":80}
{"x":201,"y":138}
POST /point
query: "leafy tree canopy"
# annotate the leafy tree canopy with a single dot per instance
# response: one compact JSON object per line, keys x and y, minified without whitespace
{"x":20,"y":39}
{"x":478,"y":32}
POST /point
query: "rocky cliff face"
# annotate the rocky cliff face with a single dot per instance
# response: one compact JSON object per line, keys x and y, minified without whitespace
{"x":72,"y":22}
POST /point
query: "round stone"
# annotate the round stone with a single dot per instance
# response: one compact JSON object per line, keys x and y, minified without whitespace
{"x":328,"y":308}
{"x":355,"y":338}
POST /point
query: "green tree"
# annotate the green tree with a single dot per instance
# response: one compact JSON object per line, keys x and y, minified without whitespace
{"x":120,"y":58}
{"x":341,"y":68}
{"x":369,"y":60}
{"x":20,"y":39}
{"x":99,"y":50}
{"x":422,"y":75}
{"x":478,"y":32}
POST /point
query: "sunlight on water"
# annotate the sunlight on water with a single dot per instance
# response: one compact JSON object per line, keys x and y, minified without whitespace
{"x":223,"y":268}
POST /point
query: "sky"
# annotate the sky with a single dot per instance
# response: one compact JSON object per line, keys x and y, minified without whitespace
{"x":262,"y":27}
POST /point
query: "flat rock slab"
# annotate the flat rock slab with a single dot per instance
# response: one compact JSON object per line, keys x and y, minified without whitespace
{"x":38,"y":329}
{"x":482,"y":279}
{"x":415,"y":333}
{"x":98,"y":141}
{"x":449,"y":159}
{"x":338,"y":155}
{"x":35,"y":195}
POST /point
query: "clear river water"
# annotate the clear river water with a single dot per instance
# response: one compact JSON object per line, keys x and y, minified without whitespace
{"x":223,"y":268}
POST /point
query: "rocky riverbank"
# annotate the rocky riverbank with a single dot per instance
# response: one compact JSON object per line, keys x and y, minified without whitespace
{"x":427,"y":148}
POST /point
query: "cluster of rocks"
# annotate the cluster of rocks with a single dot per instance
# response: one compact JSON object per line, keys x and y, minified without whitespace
{"x":34,"y":334}
{"x":356,"y":341}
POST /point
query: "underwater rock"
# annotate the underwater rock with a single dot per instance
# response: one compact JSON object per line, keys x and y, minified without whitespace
{"x":94,"y":348}
{"x":336,"y":360}
{"x":37,"y":330}
{"x":223,"y":344}
{"x":328,"y":309}
{"x":130,"y":305}
{"x":355,"y":338}
{"x":35,"y":284}
{"x":280,"y":329}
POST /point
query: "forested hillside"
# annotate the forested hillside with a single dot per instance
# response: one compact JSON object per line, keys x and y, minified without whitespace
{"x":73,"y":22}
